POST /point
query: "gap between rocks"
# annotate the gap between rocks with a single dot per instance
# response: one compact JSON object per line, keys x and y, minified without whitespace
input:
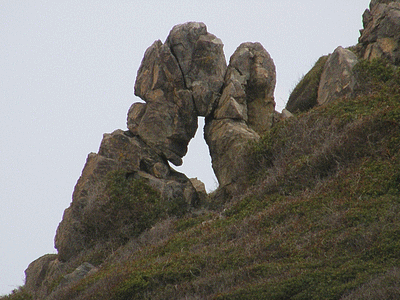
{"x":197,"y":162}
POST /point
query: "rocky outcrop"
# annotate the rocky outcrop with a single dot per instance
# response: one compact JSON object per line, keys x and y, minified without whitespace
{"x":37,"y":272}
{"x":168,"y":120}
{"x":79,"y":273}
{"x":337,"y":79}
{"x":245,"y":110}
{"x":381,"y":34}
{"x":304,"y":96}
{"x":178,"y":80}
{"x":331,"y":78}
{"x":202,"y":61}
{"x":380,"y":38}
{"x":41,"y":274}
{"x":119,"y":151}
{"x":250,"y":83}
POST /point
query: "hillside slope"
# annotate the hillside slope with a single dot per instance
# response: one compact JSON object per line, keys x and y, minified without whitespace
{"x":308,"y":204}
{"x":320,"y":218}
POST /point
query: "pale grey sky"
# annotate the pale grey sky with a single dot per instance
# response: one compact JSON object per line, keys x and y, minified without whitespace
{"x":67,"y":70}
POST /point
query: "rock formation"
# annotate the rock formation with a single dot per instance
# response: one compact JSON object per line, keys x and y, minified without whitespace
{"x":202,"y":61}
{"x":168,"y":121}
{"x":119,"y":151}
{"x":304,"y":96}
{"x":331,"y":78}
{"x":380,"y":38}
{"x":179,"y":80}
{"x":245,"y":110}
{"x":381,"y":34}
{"x":337,"y":79}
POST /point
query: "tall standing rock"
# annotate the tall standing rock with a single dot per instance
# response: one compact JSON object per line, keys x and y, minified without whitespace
{"x":168,"y":121}
{"x":201,"y":58}
{"x":245,"y":110}
{"x":252,"y":66}
{"x":178,"y":80}
{"x":381,"y":34}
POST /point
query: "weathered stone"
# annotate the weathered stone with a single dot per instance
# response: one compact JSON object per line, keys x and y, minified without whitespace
{"x":232,"y":104}
{"x":118,"y":151}
{"x":37,"y":272}
{"x":228,"y":141}
{"x":79,"y":273}
{"x":286,"y":114}
{"x":380,"y":37}
{"x":177,"y":187}
{"x":245,"y":110}
{"x":200,"y":188}
{"x":169,"y":120}
{"x":202,"y":61}
{"x":135,"y":115}
{"x":337,"y":79}
{"x":252,"y":66}
{"x":129,"y":152}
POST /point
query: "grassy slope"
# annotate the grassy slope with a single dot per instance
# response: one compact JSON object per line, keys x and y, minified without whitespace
{"x":320,"y":220}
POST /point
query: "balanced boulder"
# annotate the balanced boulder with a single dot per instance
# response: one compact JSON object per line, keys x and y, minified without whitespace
{"x":168,"y":121}
{"x":201,"y":58}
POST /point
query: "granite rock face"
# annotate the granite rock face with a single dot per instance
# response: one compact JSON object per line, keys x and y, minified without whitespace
{"x":168,"y":120}
{"x":178,"y":80}
{"x":37,"y":273}
{"x":381,"y":34}
{"x":250,"y":82}
{"x":337,"y":79}
{"x":119,"y":151}
{"x":202,"y":61}
{"x":245,"y":110}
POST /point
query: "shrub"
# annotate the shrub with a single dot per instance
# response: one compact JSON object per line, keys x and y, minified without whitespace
{"x":17,"y":294}
{"x":126,"y":208}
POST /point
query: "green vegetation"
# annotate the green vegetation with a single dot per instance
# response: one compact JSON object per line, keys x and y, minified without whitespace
{"x":304,"y":95}
{"x":131,"y":206}
{"x":17,"y":294}
{"x":320,"y":221}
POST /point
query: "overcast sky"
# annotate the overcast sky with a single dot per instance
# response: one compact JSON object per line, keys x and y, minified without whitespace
{"x":67,"y":70}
